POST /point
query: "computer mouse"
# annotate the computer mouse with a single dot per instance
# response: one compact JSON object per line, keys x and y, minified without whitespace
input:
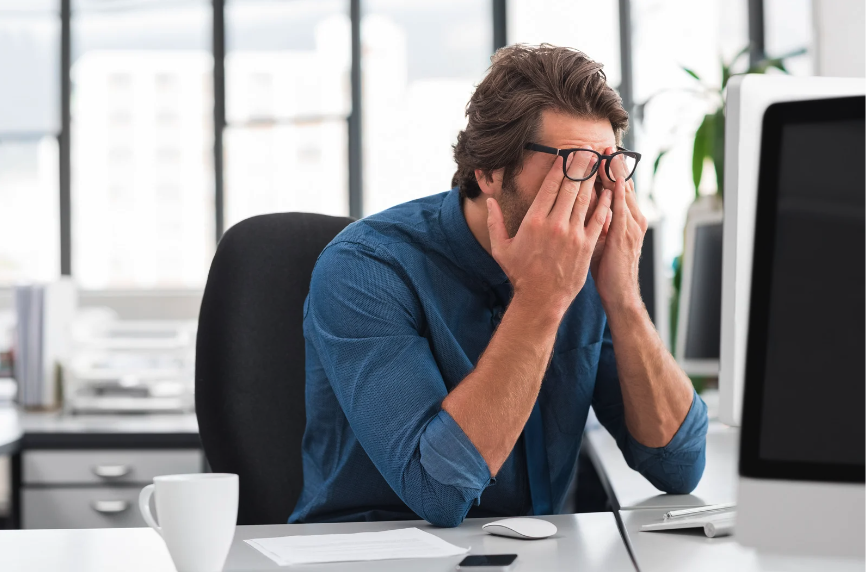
{"x":524,"y":528}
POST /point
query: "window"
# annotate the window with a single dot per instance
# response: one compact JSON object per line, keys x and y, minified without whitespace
{"x":421,"y":61}
{"x":143,"y":206}
{"x":29,"y":124}
{"x":142,"y":110}
{"x":788,"y":28}
{"x":287,"y":103}
{"x":667,"y":36}
{"x":591,"y":27}
{"x":29,"y":219}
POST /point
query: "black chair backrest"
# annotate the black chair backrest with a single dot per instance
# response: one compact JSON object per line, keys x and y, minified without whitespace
{"x":249,"y":371}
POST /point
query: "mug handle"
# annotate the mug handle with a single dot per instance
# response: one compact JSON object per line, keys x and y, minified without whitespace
{"x":144,"y":506}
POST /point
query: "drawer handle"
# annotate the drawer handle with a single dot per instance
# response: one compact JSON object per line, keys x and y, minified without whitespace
{"x":111,"y":471}
{"x":110,"y":506}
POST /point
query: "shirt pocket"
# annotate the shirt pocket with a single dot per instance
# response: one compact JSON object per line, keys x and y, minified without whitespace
{"x":570,"y":382}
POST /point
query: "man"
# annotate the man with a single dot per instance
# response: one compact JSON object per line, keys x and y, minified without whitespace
{"x":455,"y":343}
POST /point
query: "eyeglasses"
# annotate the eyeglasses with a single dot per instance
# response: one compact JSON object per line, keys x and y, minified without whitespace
{"x":624,"y":161}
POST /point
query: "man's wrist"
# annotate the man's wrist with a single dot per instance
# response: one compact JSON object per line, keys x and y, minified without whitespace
{"x":625,"y":310}
{"x":544,"y":314}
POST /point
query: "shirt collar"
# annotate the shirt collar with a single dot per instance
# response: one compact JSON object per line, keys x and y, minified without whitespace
{"x":467,"y":251}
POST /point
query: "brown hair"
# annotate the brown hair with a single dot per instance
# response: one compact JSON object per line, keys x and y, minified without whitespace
{"x":505,"y":110}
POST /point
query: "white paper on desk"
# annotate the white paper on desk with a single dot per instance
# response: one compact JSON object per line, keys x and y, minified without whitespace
{"x":385,"y":545}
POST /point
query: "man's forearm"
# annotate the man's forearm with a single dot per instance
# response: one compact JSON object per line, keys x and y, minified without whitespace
{"x":656,"y":393}
{"x":493,"y":403}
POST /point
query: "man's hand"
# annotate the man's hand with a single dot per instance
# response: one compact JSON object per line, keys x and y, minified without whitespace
{"x":615,"y":259}
{"x":547,"y":262}
{"x":656,"y":393}
{"x":548,"y":259}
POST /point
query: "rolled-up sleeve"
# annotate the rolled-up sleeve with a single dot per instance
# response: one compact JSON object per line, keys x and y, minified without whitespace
{"x":364,"y":321}
{"x":675,"y":468}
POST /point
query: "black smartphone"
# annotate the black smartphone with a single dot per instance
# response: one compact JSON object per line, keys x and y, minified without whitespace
{"x":488,"y":562}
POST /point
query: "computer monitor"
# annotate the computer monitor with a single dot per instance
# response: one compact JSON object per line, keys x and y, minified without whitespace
{"x":747,"y":98}
{"x":802,"y":469}
{"x":653,"y":280}
{"x":700,"y":304}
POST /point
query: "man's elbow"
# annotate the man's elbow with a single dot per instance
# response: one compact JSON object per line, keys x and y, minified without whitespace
{"x":689,"y":478}
{"x":445,"y":519}
{"x":445,"y":513}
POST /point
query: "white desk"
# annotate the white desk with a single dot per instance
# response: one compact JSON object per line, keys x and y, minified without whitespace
{"x":629,"y":490}
{"x":690,"y":550}
{"x":639,"y":503}
{"x":58,"y":498}
{"x":585,"y":542}
{"x":18,"y":428}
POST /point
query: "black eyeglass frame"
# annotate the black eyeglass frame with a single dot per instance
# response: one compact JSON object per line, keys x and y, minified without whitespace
{"x":564,"y":153}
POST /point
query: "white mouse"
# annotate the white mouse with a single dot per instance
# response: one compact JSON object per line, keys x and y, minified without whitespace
{"x":524,"y":528}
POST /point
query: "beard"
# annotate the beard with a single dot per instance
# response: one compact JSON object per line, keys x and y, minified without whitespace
{"x":514,"y":205}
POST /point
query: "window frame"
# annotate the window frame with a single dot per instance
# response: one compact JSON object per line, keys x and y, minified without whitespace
{"x":355,"y":186}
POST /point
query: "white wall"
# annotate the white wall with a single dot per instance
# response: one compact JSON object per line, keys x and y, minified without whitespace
{"x":840,"y":37}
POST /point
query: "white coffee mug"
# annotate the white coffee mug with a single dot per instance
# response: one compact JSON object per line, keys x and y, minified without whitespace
{"x":197,"y":515}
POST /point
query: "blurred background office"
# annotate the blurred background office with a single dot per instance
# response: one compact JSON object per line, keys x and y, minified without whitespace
{"x":134,"y":133}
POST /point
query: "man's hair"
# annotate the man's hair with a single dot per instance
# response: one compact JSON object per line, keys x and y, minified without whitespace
{"x":505,"y":110}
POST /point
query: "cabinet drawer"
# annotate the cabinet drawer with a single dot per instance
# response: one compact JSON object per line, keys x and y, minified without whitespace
{"x":99,"y":466}
{"x":81,"y":507}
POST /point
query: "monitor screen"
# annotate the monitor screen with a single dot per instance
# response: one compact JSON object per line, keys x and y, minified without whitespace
{"x":646,"y":273}
{"x":704,"y":325}
{"x":805,"y":373}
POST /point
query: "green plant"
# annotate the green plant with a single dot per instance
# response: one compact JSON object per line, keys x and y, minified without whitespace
{"x":708,"y":143}
{"x":709,"y":138}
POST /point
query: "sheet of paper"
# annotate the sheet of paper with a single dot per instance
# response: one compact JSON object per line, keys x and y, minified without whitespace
{"x":385,"y":545}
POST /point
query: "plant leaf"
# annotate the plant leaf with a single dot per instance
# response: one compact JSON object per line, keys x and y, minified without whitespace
{"x":700,"y":151}
{"x":658,"y":160}
{"x":740,"y":54}
{"x":718,"y":152}
{"x":729,"y":66}
{"x":793,"y":53}
{"x":691,"y":73}
{"x":763,"y":65}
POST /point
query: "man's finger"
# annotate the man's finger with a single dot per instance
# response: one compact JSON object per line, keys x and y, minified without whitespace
{"x":595,"y":223}
{"x":546,"y":196}
{"x":496,"y":226}
{"x":605,"y":180}
{"x":619,"y":221}
{"x":585,"y":196}
{"x":618,"y":167}
{"x":633,"y":208}
{"x":579,"y":166}
{"x":593,"y":201}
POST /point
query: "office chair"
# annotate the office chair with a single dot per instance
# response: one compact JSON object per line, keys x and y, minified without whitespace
{"x":249,"y":371}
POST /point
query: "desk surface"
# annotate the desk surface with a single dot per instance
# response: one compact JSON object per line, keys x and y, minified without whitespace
{"x":689,"y":550}
{"x":56,"y":428}
{"x":629,"y":490}
{"x":586,"y":542}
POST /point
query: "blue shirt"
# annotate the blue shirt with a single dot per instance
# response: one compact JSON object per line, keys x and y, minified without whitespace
{"x":401,"y":306}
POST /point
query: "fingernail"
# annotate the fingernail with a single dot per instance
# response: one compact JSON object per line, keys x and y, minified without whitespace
{"x":489,"y":208}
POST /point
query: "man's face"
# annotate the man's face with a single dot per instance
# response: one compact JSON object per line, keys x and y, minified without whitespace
{"x":559,"y":131}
